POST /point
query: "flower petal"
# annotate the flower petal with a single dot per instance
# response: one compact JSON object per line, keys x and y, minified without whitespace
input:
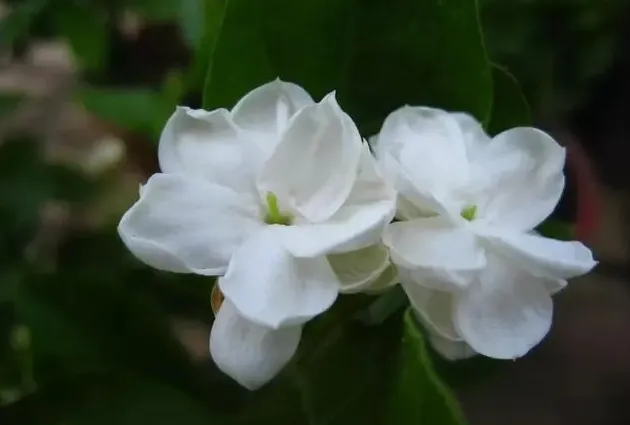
{"x":314,"y":167}
{"x":358,"y":224}
{"x":208,"y":145}
{"x":250,"y":353}
{"x":505,"y":313}
{"x":451,"y":350}
{"x":520,"y":178}
{"x":385,"y":281}
{"x":186,"y":225}
{"x":358,"y":270}
{"x":542,"y":256}
{"x":271,"y":287}
{"x":267,"y":109}
{"x":435,"y":246}
{"x":423,"y":152}
{"x":434,"y":309}
{"x":475,"y":137}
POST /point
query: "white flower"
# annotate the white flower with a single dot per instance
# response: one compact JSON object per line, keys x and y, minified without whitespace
{"x":469,"y":260}
{"x":264,"y":196}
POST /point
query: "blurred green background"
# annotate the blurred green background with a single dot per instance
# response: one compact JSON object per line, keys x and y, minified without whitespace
{"x":87,"y":333}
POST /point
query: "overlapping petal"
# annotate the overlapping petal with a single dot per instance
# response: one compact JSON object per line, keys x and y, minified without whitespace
{"x":544,"y":257}
{"x":267,"y":109}
{"x":208,"y":145}
{"x":271,"y":287}
{"x":437,"y":249}
{"x":250,"y":353}
{"x":187,"y":225}
{"x":359,"y":270}
{"x":314,"y":167}
{"x":519,"y":177}
{"x":505,"y":313}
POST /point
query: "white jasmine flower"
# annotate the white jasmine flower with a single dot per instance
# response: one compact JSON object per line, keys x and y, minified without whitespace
{"x":473,"y":268}
{"x":264,"y":196}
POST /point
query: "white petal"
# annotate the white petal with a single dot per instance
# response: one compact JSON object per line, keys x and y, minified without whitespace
{"x":314,"y":167}
{"x":475,"y":137}
{"x":423,"y":151}
{"x":505,"y":313}
{"x":520,"y":178}
{"x":359,"y":270}
{"x":208,"y":145}
{"x":385,"y":281}
{"x":434,"y":309}
{"x":435,"y":246}
{"x":451,"y":350}
{"x":271,"y":287}
{"x":359,"y":223}
{"x":250,"y":353}
{"x":542,"y":256}
{"x":268,"y":108}
{"x":186,"y":225}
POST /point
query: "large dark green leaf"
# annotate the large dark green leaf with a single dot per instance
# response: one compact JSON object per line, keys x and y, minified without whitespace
{"x":378,"y":54}
{"x":414,"y":52}
{"x":417,"y":394}
{"x":256,"y":42}
{"x":343,"y":378}
{"x":509,"y":107}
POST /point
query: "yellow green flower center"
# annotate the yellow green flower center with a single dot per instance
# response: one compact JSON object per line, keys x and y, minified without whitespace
{"x":274,"y":215}
{"x":470,"y":212}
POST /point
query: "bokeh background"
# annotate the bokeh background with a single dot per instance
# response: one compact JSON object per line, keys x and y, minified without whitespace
{"x":85,"y":88}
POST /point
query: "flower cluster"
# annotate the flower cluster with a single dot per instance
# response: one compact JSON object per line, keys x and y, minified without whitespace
{"x":283,"y":200}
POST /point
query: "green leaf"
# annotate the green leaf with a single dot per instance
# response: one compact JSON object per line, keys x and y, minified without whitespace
{"x":509,"y":108}
{"x":417,"y":395}
{"x":343,"y":379}
{"x":376,"y":64}
{"x":191,"y":22}
{"x":414,"y":52}
{"x":139,"y":110}
{"x":256,"y":42}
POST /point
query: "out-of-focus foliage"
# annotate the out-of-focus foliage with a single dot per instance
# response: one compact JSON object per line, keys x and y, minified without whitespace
{"x":87,"y":332}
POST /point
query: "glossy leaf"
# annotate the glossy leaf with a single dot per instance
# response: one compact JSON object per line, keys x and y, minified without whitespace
{"x":375,"y":64}
{"x":417,"y":394}
{"x":509,"y":107}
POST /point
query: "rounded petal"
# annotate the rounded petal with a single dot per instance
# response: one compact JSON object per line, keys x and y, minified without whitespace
{"x":505,"y":313}
{"x":423,"y":152}
{"x":358,"y":224}
{"x":544,"y":257}
{"x":451,"y":350}
{"x":250,"y":353}
{"x":435,"y":248}
{"x":186,"y":225}
{"x":314,"y":167}
{"x":359,"y":270}
{"x":520,"y":178}
{"x":475,"y":137}
{"x":385,"y":281}
{"x":208,"y":145}
{"x":268,"y":108}
{"x":273,"y":288}
{"x":434,"y":309}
